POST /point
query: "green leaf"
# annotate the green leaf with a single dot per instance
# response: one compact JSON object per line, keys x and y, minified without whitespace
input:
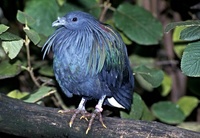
{"x":135,"y":113}
{"x":179,"y":49}
{"x":126,"y":40}
{"x":176,"y":34}
{"x":166,"y":85}
{"x":61,"y":2}
{"x":191,"y":33}
{"x":24,"y":18}
{"x":138,"y":60}
{"x":147,"y":114}
{"x":33,"y":36}
{"x":179,"y":45}
{"x":90,"y":6}
{"x":168,"y":112}
{"x":3,"y":28}
{"x":39,"y":94}
{"x":190,"y":63}
{"x":143,"y":83}
{"x":17,"y":94}
{"x":68,"y":7}
{"x":184,"y":23}
{"x":9,"y":37}
{"x":8,"y":70}
{"x":12,"y":48}
{"x":44,"y":12}
{"x":47,"y":71}
{"x":187,"y":104}
{"x":153,"y":76}
{"x":193,"y":126}
{"x":2,"y":54}
{"x":138,"y":24}
{"x":43,"y":40}
{"x":142,"y":112}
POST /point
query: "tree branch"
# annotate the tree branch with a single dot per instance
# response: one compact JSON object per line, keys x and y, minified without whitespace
{"x":31,"y":120}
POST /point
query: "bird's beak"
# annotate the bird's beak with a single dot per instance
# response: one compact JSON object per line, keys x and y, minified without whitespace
{"x":59,"y":22}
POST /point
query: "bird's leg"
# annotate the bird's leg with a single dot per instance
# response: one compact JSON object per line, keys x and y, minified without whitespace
{"x":97,"y":111}
{"x":80,"y":109}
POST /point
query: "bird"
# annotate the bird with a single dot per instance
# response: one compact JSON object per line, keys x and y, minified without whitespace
{"x":90,"y":60}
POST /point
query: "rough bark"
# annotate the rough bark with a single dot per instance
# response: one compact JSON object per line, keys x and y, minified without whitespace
{"x":31,"y":120}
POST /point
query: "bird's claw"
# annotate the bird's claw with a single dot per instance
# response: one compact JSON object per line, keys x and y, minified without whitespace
{"x":61,"y":111}
{"x":84,"y":117}
{"x":76,"y":112}
{"x":87,"y":130}
{"x":70,"y":124}
{"x":93,"y":115}
{"x":66,"y":111}
{"x":103,"y":125}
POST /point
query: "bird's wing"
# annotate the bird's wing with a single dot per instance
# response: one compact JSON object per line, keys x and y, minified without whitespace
{"x":115,"y":57}
{"x":116,"y":71}
{"x":107,"y":50}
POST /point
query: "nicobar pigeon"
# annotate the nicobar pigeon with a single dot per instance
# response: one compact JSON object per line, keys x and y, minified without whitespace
{"x":90,"y":60}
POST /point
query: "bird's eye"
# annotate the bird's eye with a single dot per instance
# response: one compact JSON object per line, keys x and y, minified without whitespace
{"x":74,"y":19}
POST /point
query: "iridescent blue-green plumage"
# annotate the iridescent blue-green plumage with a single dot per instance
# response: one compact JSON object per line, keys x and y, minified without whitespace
{"x":90,"y":60}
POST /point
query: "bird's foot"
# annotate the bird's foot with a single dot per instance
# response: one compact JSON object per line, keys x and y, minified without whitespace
{"x":97,"y":112}
{"x":76,"y":112}
{"x":85,"y":115}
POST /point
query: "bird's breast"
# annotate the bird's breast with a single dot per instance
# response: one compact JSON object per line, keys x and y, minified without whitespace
{"x":74,"y":77}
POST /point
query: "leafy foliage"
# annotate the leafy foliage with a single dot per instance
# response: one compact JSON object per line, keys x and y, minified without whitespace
{"x":47,"y":14}
{"x":142,"y":113}
{"x":190,"y":58}
{"x":166,"y":85}
{"x":187,"y":104}
{"x":12,"y":47}
{"x":33,"y":79}
{"x":168,"y":112}
{"x":9,"y":69}
{"x":190,"y":61}
{"x":139,"y":23}
{"x":36,"y":96}
{"x":3,"y":28}
{"x":153,"y":77}
{"x":24,"y":18}
{"x":17,"y":94}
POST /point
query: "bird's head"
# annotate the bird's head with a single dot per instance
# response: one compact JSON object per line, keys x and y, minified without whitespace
{"x":76,"y":20}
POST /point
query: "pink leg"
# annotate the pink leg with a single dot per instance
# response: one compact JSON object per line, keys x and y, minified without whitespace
{"x":79,"y":110}
{"x":97,"y":112}
{"x":85,"y":114}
